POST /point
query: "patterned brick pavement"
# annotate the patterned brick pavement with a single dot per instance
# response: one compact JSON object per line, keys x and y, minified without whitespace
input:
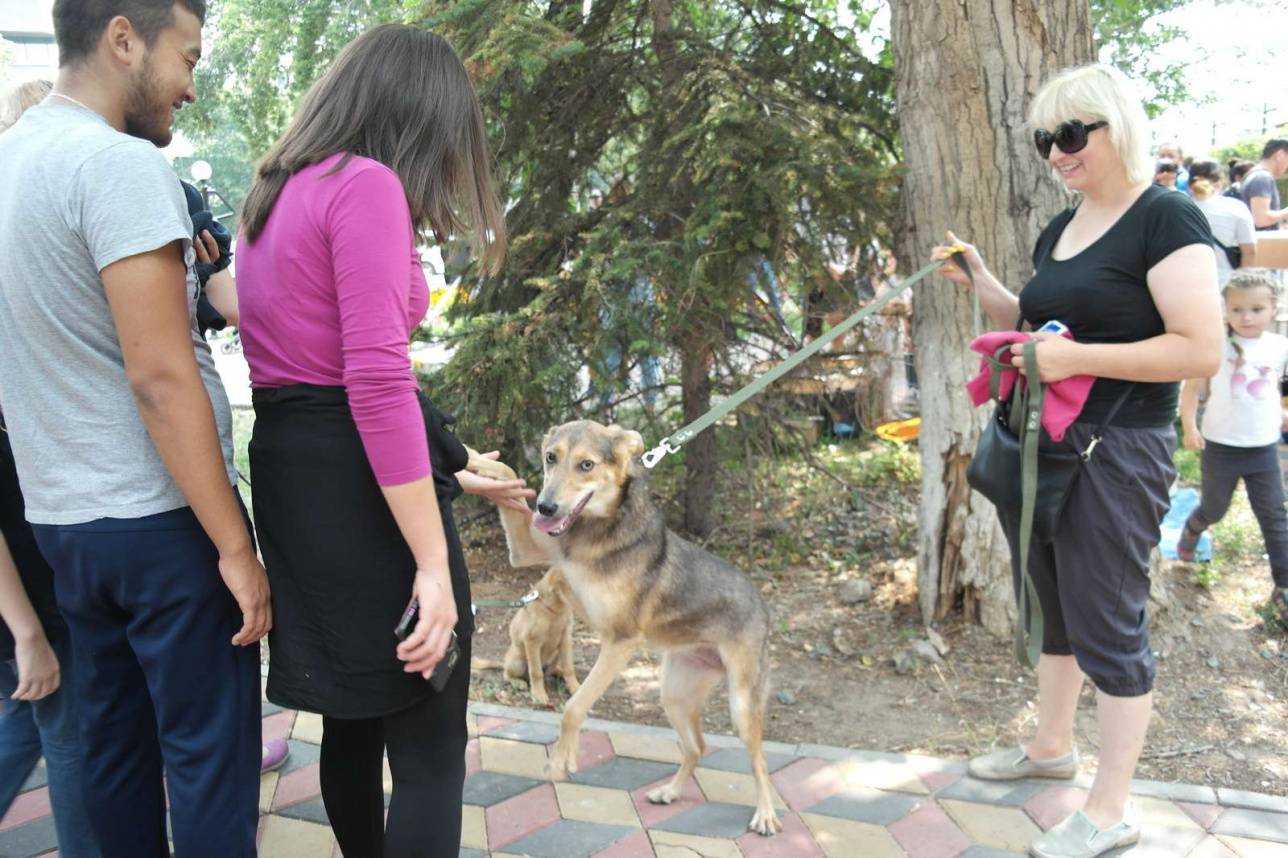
{"x":834,"y":803}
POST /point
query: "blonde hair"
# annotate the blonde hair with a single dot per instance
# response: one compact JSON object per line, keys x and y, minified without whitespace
{"x":1247,"y":279}
{"x":1252,"y":278}
{"x":16,"y":100}
{"x":1099,"y":93}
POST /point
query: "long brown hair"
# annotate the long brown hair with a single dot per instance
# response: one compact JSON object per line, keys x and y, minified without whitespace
{"x":398,"y":95}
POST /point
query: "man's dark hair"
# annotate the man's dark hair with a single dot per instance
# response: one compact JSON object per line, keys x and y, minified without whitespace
{"x":78,"y":24}
{"x":1273,"y":146}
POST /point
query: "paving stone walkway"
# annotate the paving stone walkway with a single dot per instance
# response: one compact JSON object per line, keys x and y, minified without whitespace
{"x":834,"y":803}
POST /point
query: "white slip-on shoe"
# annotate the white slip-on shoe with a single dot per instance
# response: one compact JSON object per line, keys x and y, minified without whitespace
{"x":1013,"y":764}
{"x":1078,"y":837}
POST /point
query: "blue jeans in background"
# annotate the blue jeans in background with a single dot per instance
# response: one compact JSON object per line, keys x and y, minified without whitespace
{"x":48,"y":727}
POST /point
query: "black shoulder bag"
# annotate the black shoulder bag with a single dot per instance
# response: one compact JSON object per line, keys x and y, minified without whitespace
{"x":1019,"y":468}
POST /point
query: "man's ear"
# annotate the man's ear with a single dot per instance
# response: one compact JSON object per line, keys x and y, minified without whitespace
{"x":627,"y":444}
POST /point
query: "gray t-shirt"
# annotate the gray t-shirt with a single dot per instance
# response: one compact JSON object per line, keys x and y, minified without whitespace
{"x":75,"y":196}
{"x":1259,"y":183}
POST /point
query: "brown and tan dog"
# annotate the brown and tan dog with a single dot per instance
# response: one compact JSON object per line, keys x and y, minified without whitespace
{"x":638,"y":583}
{"x":540,"y":639}
{"x":541,"y":630}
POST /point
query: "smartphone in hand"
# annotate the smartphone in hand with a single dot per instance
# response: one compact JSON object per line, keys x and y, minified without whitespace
{"x":442,"y":670}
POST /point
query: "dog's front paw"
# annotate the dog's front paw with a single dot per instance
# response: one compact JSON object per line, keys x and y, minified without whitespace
{"x":663,"y":794}
{"x":562,"y":762}
{"x":539,"y":696}
{"x":766,"y":822}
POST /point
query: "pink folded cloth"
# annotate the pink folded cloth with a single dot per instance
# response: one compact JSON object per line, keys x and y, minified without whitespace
{"x":1064,"y":399}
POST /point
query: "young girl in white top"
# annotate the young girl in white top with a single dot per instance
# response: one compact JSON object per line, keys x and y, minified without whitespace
{"x":1242,"y":425}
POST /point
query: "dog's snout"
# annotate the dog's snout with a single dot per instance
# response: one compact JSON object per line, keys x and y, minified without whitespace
{"x":547,"y":508}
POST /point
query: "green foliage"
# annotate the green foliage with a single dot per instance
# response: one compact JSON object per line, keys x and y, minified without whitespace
{"x":732,"y":133}
{"x":1243,"y":150}
{"x":1188,"y":466}
{"x":1128,"y":35}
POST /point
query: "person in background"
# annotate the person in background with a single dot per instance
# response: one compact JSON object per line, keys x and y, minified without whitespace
{"x":1237,"y":170}
{"x":121,"y":434}
{"x":1230,"y":220}
{"x":1172,"y":152}
{"x":353,"y":469}
{"x":1130,"y":271}
{"x":1241,"y":426}
{"x":1165,"y":174}
{"x":1260,"y":186}
{"x":39,"y":712}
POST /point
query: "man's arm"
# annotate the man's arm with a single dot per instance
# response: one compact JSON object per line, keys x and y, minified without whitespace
{"x":1263,"y":215}
{"x":147,"y":297}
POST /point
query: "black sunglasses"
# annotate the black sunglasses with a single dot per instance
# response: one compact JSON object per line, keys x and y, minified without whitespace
{"x":1070,"y":136}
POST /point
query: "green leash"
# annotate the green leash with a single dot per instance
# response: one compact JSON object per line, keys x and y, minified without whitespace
{"x":673,"y":442}
{"x":1029,"y":625}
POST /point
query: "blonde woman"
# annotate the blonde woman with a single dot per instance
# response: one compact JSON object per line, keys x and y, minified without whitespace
{"x":15,"y":101}
{"x":1130,"y":270}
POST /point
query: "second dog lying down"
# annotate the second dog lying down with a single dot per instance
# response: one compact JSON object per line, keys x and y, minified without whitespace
{"x":637,"y":583}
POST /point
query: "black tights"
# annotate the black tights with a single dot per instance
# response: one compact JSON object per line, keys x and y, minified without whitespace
{"x":426,"y":746}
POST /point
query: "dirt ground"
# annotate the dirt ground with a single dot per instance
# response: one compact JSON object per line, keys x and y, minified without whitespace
{"x":1221,"y":714}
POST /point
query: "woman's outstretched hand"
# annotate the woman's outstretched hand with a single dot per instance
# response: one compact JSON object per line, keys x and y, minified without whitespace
{"x":510,"y":493}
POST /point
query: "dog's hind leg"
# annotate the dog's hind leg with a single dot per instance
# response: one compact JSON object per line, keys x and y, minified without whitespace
{"x":687,"y":682}
{"x":612,"y":660}
{"x":748,"y":698}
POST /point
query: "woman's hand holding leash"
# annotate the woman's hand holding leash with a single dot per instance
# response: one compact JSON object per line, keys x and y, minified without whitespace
{"x":1058,"y":356}
{"x":969,"y":255}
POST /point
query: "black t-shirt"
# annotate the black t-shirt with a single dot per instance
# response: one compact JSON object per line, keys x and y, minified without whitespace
{"x":37,"y":577}
{"x":1102,"y":295}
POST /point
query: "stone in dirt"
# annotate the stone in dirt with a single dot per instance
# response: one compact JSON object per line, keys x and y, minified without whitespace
{"x":937,"y":641}
{"x":855,"y":590}
{"x":905,"y":662}
{"x":927,"y":650}
{"x":786,"y":698}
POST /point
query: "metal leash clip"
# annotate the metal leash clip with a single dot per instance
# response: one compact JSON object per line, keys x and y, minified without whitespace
{"x":652,"y":457}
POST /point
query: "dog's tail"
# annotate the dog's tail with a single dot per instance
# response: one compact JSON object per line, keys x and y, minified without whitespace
{"x":486,"y":664}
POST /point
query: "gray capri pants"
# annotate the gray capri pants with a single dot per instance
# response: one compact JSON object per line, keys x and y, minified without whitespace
{"x":1092,"y":580}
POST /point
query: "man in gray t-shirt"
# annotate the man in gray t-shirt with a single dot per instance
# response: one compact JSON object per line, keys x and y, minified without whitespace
{"x":121,"y":434}
{"x":1260,"y":188}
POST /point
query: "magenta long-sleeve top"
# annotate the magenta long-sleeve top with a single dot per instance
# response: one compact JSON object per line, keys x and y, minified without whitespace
{"x":329,"y":294}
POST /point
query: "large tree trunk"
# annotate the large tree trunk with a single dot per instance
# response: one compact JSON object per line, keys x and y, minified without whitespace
{"x":966,"y":71}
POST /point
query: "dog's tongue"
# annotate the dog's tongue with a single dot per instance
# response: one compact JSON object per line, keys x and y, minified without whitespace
{"x":546,"y":523}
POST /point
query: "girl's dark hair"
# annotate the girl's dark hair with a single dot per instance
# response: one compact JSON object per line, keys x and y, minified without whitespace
{"x":1238,"y":169}
{"x":398,"y":95}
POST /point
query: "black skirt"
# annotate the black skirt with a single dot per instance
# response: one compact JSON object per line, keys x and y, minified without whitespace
{"x":340,"y":571}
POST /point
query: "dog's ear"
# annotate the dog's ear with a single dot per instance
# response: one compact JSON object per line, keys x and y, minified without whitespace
{"x":549,"y":436}
{"x":627,"y":444}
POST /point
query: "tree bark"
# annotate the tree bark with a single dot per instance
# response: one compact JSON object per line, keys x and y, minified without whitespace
{"x":966,"y":71}
{"x":696,"y":361}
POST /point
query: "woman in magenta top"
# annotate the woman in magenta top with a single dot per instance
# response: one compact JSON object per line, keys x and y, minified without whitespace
{"x":353,"y":470}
